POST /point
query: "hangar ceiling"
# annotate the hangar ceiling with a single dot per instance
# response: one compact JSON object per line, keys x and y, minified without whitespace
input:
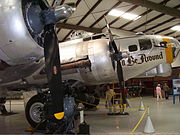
{"x":155,"y":17}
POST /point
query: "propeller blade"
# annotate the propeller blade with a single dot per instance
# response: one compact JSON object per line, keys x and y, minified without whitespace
{"x":109,"y":31}
{"x":119,"y":71}
{"x":116,"y":57}
{"x":113,"y":62}
{"x":50,"y":17}
{"x":112,"y":43}
{"x":52,"y":60}
{"x":121,"y":81}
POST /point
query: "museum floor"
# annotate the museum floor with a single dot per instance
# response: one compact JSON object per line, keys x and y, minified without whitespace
{"x":164,"y":115}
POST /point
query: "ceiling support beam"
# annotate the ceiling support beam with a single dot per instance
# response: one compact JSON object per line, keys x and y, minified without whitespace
{"x":98,"y":20}
{"x":148,"y":21}
{"x":177,"y":36}
{"x":59,"y":2}
{"x":62,"y":2}
{"x":160,"y":8}
{"x":160,"y":24}
{"x":118,"y":18}
{"x":157,"y":32}
{"x":143,"y":14}
{"x":89,"y":12}
{"x":77,"y":3}
{"x":170,"y":33}
{"x":76,"y":27}
{"x":53,"y":3}
{"x":84,"y":17}
{"x":129,"y":10}
{"x":154,"y":18}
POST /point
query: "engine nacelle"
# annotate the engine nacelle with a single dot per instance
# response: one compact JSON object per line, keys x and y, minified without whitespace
{"x":22,"y":27}
{"x":87,"y":61}
{"x":17,"y":46}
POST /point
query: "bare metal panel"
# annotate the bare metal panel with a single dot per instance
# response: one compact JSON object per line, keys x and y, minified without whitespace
{"x":15,"y":40}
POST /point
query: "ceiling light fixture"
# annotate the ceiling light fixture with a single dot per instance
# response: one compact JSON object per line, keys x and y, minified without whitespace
{"x":118,"y":13}
{"x":176,"y":28}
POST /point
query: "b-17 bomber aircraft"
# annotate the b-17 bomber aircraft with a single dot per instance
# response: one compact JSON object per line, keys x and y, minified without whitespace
{"x":27,"y":28}
{"x":91,"y":61}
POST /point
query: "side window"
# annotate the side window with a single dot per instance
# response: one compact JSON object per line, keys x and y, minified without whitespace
{"x":145,"y":44}
{"x":133,"y":48}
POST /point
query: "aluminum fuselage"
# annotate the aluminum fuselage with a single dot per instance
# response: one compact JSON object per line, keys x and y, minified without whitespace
{"x":154,"y":61}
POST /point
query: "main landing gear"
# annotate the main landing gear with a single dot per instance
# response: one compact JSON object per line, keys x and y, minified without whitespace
{"x":36,"y":115}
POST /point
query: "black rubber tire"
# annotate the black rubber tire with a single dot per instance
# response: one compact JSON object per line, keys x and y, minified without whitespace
{"x":34,"y":99}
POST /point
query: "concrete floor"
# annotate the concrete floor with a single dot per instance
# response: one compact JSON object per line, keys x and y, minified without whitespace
{"x":164,"y":115}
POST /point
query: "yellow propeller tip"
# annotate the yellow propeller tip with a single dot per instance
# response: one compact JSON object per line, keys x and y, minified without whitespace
{"x":59,"y":115}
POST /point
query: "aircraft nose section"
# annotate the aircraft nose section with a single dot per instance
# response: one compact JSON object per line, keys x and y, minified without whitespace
{"x":176,"y":49}
{"x":172,"y":48}
{"x":168,"y":50}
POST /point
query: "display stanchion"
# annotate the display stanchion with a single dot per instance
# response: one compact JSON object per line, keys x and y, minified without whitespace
{"x":149,"y":128}
{"x":141,"y":107}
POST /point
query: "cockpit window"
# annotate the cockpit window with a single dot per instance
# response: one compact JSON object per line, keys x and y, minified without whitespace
{"x":145,"y":44}
{"x":133,"y":48}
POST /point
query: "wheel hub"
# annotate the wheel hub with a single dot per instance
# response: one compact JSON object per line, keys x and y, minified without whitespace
{"x":36,"y":112}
